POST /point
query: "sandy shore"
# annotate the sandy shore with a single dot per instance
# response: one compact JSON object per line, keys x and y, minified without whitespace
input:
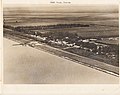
{"x":28,"y":65}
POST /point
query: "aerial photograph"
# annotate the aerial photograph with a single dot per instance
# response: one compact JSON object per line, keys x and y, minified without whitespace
{"x":61,"y":44}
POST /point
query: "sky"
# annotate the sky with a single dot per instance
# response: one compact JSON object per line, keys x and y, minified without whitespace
{"x":72,"y":1}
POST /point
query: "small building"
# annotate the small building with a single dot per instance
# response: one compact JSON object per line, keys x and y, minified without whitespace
{"x":86,"y":40}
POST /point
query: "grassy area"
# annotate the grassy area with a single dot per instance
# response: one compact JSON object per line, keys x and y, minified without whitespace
{"x":92,"y":31}
{"x":91,"y":55}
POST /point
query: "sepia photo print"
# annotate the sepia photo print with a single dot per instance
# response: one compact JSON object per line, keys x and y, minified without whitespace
{"x":61,"y":44}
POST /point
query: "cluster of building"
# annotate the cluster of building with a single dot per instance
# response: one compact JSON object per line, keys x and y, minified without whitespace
{"x":90,"y":45}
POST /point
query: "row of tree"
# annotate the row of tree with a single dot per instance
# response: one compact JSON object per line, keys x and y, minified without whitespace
{"x":57,"y":26}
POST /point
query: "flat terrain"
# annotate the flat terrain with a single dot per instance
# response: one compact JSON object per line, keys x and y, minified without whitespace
{"x":101,"y":23}
{"x":28,"y":65}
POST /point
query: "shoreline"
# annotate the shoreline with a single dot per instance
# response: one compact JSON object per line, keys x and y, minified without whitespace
{"x":101,"y":66}
{"x":28,"y":65}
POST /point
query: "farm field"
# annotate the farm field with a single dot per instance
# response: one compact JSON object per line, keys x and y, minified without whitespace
{"x":39,"y":18}
{"x":101,"y":24}
{"x":91,"y":32}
